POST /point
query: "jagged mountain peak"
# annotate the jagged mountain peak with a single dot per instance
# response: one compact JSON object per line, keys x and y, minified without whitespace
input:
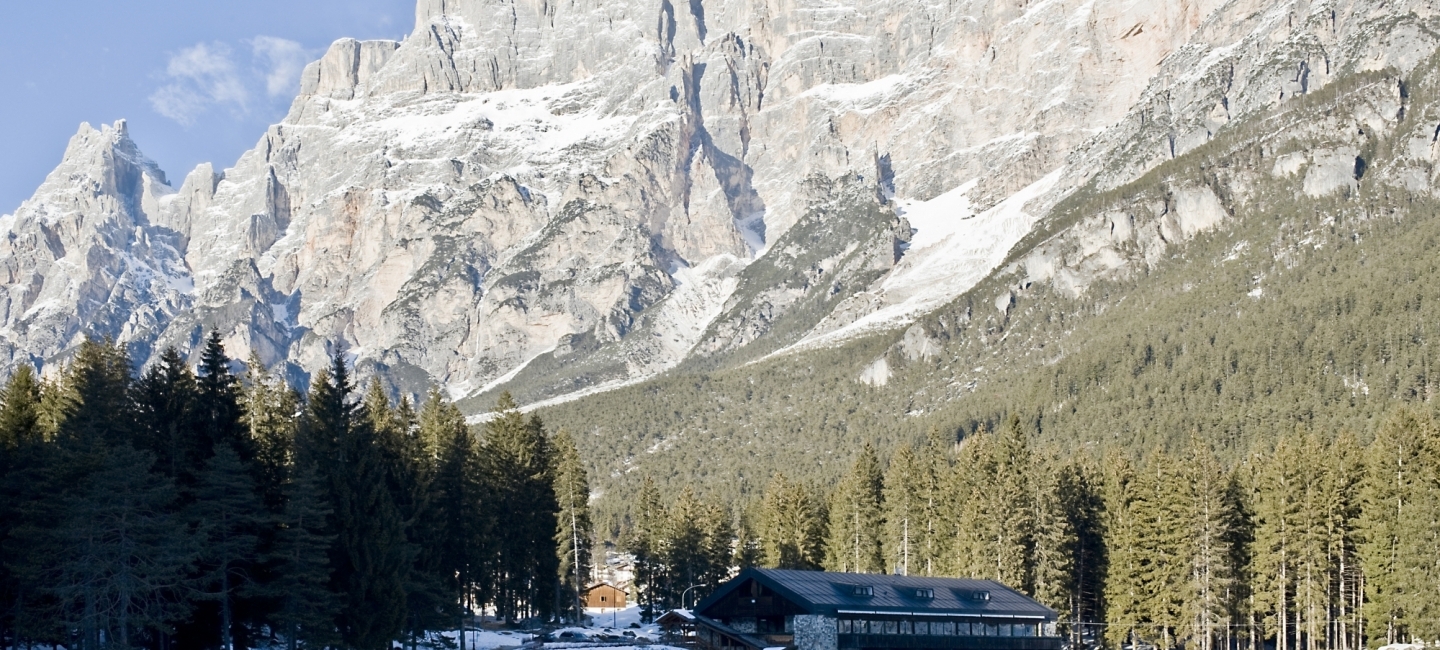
{"x":569,"y":196}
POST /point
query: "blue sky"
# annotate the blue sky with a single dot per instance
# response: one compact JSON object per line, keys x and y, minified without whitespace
{"x":198,"y":80}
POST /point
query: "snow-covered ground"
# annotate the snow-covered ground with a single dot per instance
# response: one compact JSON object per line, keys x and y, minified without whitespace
{"x":952,"y":250}
{"x":608,"y":627}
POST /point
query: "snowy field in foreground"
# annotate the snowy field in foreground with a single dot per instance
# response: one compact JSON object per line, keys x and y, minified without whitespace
{"x":607,"y":627}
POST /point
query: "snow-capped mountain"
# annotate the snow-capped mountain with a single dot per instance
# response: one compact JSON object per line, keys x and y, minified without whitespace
{"x":562,"y":197}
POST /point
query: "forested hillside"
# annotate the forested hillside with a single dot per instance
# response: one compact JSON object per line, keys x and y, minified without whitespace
{"x":1296,"y":308}
{"x":202,"y":510}
{"x":1311,"y":542}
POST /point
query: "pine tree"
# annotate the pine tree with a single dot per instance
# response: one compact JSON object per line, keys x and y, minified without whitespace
{"x":1279,"y":537}
{"x":645,"y":543}
{"x":457,"y":492}
{"x":1053,"y":567}
{"x":517,"y":455}
{"x":1205,"y":485}
{"x":1342,"y":493}
{"x":856,"y":519}
{"x":574,"y":536}
{"x":117,"y":562}
{"x":906,"y":502}
{"x":307,"y":607}
{"x":1124,"y":590}
{"x":21,"y":449}
{"x":793,"y":526}
{"x":230,"y":515}
{"x":1420,"y":537}
{"x":218,"y":413}
{"x":270,"y":409}
{"x":165,"y":397}
{"x":1390,"y":464}
{"x":369,"y":555}
{"x":1161,"y":512}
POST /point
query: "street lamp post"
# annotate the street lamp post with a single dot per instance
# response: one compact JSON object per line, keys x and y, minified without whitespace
{"x":687,"y":591}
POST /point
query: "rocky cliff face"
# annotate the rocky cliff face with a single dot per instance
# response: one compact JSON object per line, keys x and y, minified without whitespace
{"x":559,"y":197}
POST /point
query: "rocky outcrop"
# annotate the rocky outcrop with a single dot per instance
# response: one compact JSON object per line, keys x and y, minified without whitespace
{"x":557,"y":197}
{"x":89,"y":256}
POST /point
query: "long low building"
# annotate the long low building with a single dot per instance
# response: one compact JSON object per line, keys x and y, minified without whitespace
{"x":815,"y":610}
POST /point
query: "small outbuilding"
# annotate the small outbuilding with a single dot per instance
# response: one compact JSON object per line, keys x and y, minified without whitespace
{"x":813,"y":610}
{"x":604,"y":596}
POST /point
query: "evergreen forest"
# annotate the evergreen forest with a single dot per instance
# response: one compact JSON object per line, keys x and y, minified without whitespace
{"x":1314,"y":542}
{"x":198,"y":508}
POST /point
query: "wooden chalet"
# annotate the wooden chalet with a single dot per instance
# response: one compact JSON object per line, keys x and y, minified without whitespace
{"x":604,"y":596}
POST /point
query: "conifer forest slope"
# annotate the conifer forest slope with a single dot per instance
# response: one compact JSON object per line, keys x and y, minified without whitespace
{"x":1282,"y":275}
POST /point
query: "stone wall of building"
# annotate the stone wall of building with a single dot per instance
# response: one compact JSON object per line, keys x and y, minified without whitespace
{"x":815,"y":633}
{"x":744,"y":625}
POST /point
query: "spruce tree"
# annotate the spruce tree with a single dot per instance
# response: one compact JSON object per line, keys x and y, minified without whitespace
{"x":574,"y":535}
{"x":1345,"y":477}
{"x":96,"y":409}
{"x":516,"y":452}
{"x":645,"y":542}
{"x":1162,"y":514}
{"x":218,"y":412}
{"x":793,"y":526}
{"x":21,"y":449}
{"x":1124,"y":588}
{"x":719,"y":541}
{"x":165,"y":397}
{"x":993,"y":519}
{"x":686,"y":555}
{"x":409,"y":467}
{"x":461,"y":531}
{"x":1419,"y":532}
{"x":906,"y":502}
{"x":230,"y":516}
{"x":856,"y":519}
{"x":270,"y":408}
{"x":1204,"y":603}
{"x":1053,"y":568}
{"x":749,"y":551}
{"x":1279,"y":537}
{"x":369,"y":556}
{"x":306,"y":606}
{"x":20,"y":410}
{"x":116,"y":563}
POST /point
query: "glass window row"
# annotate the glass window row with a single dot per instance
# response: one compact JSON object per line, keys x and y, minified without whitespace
{"x":936,"y":628}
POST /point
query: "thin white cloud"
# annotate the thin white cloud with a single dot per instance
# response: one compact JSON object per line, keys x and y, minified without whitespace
{"x":200,"y":76}
{"x":280,"y":61}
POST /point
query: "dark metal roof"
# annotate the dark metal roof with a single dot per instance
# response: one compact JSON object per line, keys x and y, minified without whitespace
{"x":822,"y":592}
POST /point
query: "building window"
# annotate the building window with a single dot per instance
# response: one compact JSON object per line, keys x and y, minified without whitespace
{"x":890,"y":627}
{"x":922,"y":627}
{"x":906,"y":627}
{"x":980,"y":596}
{"x":864,"y":590}
{"x":925,"y":594}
